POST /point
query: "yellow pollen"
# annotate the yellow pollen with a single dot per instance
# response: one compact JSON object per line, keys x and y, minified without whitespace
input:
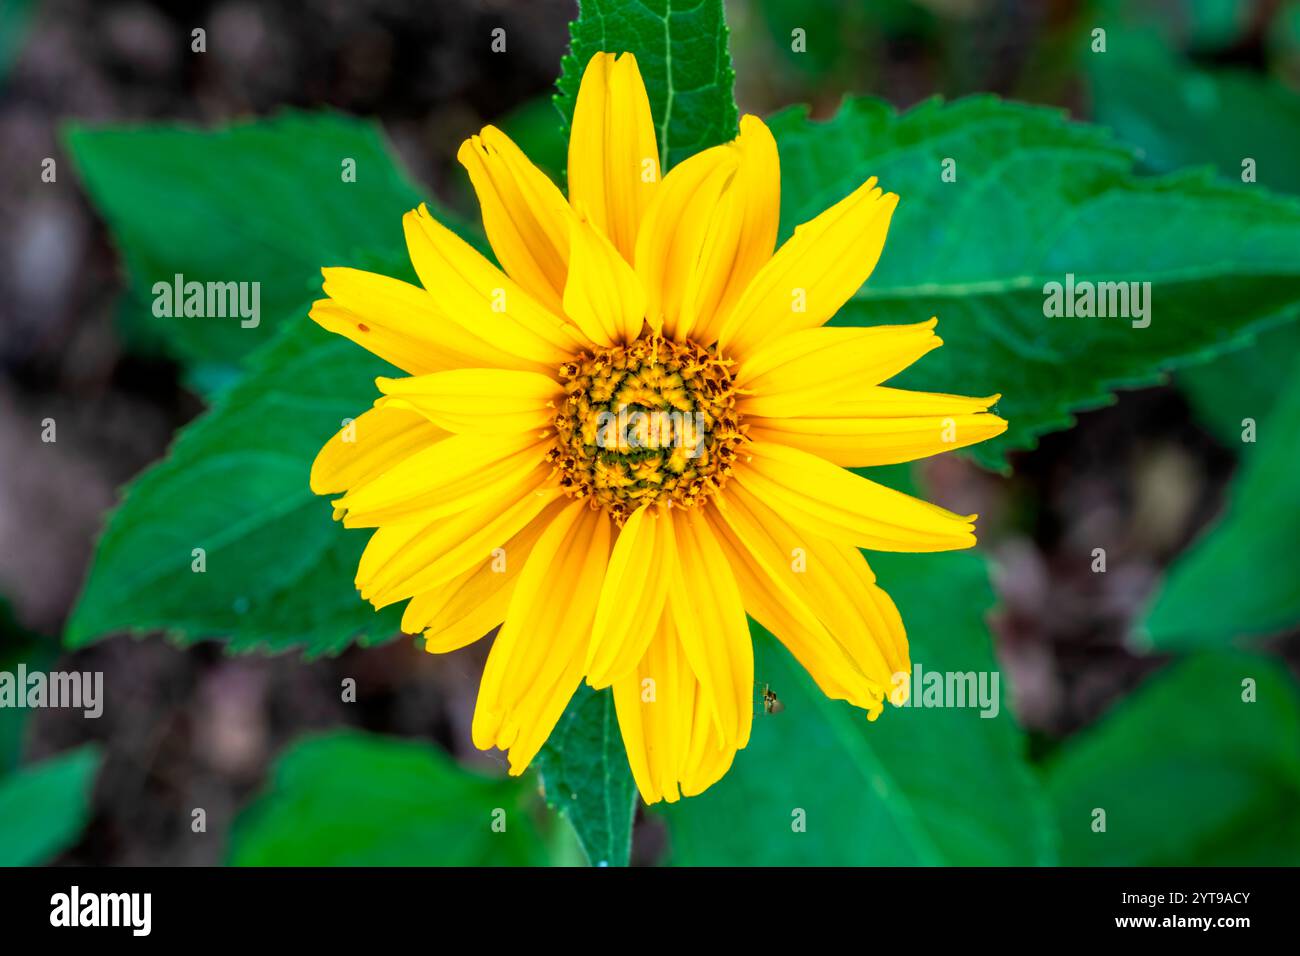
{"x":653,"y":422}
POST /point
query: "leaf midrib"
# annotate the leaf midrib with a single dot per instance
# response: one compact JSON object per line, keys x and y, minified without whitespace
{"x":875,"y":291}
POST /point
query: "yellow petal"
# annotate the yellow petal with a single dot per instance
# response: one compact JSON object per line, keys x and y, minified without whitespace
{"x":674,"y":233}
{"x":481,"y":298}
{"x":464,"y":609}
{"x":741,"y":235}
{"x":802,"y":373}
{"x":526,"y":218}
{"x":613,"y":159}
{"x":370,"y":445}
{"x":441,"y":480}
{"x":410,"y":558}
{"x":818,"y":598}
{"x":880,"y":401}
{"x":636,"y":586}
{"x":655,"y":703}
{"x":814,"y":273}
{"x":401,"y":323}
{"x":883,"y":426}
{"x":603,"y":295}
{"x":536,"y":660}
{"x":709,"y":617}
{"x":480,"y":401}
{"x":710,"y":754}
{"x":854,"y":607}
{"x":778,"y":600}
{"x":825,"y":500}
{"x":443,"y":551}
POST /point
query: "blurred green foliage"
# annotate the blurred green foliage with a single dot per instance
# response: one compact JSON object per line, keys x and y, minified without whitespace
{"x":1180,"y":114}
{"x":15,"y":20}
{"x":1199,"y":767}
{"x":1240,"y":578}
{"x":1237,"y":580}
{"x":17,"y":646}
{"x":349,"y":799}
{"x":1243,"y":384}
{"x":43,"y":806}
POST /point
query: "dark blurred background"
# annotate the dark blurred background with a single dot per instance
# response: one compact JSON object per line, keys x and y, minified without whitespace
{"x":200,"y":728}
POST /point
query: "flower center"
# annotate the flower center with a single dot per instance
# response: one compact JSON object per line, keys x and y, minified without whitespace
{"x":653,"y":422}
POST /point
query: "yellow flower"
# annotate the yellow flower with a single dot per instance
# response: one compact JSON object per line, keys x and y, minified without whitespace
{"x":637,"y":433}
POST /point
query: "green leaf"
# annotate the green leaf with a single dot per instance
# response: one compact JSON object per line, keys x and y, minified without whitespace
{"x":262,"y":201}
{"x":681,"y":50}
{"x":1187,"y":772}
{"x":917,"y":786}
{"x":355,"y":799}
{"x":585,"y":775}
{"x":44,"y":807}
{"x":1035,"y":198}
{"x":1239,"y":578}
{"x":278,"y":571}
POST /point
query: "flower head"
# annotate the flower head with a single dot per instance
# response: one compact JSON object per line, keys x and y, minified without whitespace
{"x":635,"y":433}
